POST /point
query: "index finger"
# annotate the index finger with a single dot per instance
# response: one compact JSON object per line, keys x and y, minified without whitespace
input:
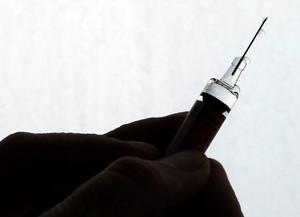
{"x":156,"y":131}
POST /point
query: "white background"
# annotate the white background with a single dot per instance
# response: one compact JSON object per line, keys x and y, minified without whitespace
{"x":90,"y":66}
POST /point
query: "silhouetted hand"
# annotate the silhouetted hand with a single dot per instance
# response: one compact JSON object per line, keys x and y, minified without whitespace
{"x":122,"y":173}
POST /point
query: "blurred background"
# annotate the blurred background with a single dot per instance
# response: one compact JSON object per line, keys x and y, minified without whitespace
{"x":90,"y":66}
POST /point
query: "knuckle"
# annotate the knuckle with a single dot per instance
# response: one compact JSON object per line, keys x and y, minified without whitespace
{"x":9,"y":147}
{"x":138,"y":170}
{"x":216,"y":166}
{"x":14,"y":144}
{"x":15,"y":138}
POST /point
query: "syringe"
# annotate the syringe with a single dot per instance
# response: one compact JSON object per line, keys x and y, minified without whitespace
{"x":211,"y":108}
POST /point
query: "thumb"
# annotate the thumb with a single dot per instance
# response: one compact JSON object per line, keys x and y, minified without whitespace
{"x":184,"y":175}
{"x":136,"y":187}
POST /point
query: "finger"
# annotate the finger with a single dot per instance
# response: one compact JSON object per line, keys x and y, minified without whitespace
{"x":220,"y":199}
{"x":217,"y":199}
{"x":157,"y":131}
{"x":135,"y":187}
{"x":58,"y":162}
{"x":75,"y":151}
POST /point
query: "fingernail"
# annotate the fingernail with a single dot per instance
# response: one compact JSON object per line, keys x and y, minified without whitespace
{"x":188,"y":161}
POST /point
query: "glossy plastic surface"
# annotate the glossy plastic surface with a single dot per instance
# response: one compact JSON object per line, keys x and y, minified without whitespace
{"x":200,"y":126}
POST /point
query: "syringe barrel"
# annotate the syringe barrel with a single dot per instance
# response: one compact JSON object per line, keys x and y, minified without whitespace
{"x":206,"y":117}
{"x":208,"y":112}
{"x":201,"y":125}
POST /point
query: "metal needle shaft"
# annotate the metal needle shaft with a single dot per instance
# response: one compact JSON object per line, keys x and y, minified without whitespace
{"x":259,"y":29}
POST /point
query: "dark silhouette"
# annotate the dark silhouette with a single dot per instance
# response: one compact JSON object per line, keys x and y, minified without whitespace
{"x":121,"y":173}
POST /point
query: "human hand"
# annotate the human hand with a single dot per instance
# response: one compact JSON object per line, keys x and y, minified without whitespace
{"x":41,"y":170}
